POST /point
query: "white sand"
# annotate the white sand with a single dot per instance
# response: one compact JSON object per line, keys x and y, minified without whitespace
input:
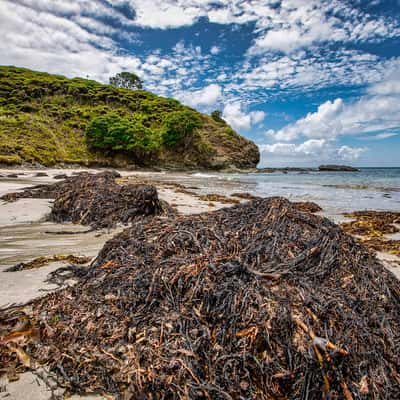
{"x":29,"y":387}
{"x":391,"y":262}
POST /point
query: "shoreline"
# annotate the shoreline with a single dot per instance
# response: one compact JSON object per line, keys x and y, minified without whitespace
{"x":187,"y":193}
{"x":22,"y":237}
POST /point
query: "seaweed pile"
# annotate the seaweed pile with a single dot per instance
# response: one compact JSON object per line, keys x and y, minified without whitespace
{"x":372,"y":226}
{"x":308,"y":206}
{"x":257,"y":301}
{"x":96,"y":200}
{"x":41,"y":261}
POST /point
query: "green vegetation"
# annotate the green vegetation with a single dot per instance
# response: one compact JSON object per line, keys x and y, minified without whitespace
{"x":126,"y":80}
{"x":178,"y":127}
{"x":217,"y":116}
{"x":50,"y":119}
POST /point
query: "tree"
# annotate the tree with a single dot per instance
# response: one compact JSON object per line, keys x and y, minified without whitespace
{"x":178,"y":127}
{"x":217,"y":116}
{"x":126,"y":80}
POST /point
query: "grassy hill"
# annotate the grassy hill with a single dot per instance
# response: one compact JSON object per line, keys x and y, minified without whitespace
{"x":49,"y":119}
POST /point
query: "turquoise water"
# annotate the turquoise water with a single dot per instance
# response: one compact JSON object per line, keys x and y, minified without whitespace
{"x":336,"y":192}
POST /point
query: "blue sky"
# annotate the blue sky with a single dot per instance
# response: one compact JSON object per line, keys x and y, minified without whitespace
{"x":310,"y":81}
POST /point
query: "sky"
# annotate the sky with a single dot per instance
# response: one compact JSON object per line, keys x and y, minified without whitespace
{"x":309,"y":81}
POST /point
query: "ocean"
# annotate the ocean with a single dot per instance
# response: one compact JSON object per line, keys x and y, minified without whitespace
{"x":335,"y":192}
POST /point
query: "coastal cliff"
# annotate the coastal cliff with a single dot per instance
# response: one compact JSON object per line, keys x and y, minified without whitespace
{"x":49,"y":119}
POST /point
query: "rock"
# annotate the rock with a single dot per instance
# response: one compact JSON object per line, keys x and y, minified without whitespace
{"x":12,"y":176}
{"x":345,"y":168}
{"x":40,"y":174}
{"x":285,"y":170}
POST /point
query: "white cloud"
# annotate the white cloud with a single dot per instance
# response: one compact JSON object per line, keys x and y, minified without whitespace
{"x":215,"y":50}
{"x":298,"y":24}
{"x":322,"y":123}
{"x":295,"y":36}
{"x":378,"y":110}
{"x":390,"y":86}
{"x":347,"y":153}
{"x":164,"y":14}
{"x":379,"y":136}
{"x":284,"y":26}
{"x":206,"y":96}
{"x":301,"y":71}
{"x":313,"y":151}
{"x":71,"y":38}
{"x":239,"y":119}
{"x":52,"y":37}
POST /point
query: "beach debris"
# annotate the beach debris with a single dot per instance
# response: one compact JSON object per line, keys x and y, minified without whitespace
{"x":219,"y":198}
{"x":60,"y":176}
{"x":372,"y":223}
{"x":41,"y":174}
{"x":307,"y":206}
{"x":45,"y":260}
{"x":256,"y":301}
{"x":383,"y":245}
{"x":51,"y":191}
{"x":372,"y":226}
{"x":96,"y":200}
{"x":245,"y":196}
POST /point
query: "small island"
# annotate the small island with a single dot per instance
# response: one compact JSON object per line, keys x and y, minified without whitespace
{"x":337,"y":168}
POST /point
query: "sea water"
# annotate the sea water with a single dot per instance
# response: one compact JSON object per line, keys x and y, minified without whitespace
{"x":335,"y":192}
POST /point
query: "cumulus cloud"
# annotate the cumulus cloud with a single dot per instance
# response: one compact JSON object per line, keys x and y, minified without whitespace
{"x":70,"y":39}
{"x":164,"y":14}
{"x":347,"y":153}
{"x":378,"y":110}
{"x":282,"y":75}
{"x":207,"y":96}
{"x":312,"y":151}
{"x":282,"y":26}
{"x":241,"y":120}
{"x":215,"y":50}
{"x":73,"y":38}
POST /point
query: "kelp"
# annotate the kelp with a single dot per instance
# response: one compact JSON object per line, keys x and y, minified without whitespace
{"x":96,"y":200}
{"x":257,"y":301}
{"x":372,"y":228}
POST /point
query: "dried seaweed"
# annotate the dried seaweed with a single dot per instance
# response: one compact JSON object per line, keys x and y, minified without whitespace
{"x":372,"y":223}
{"x":372,"y":226}
{"x":96,"y":200}
{"x":44,"y":260}
{"x":308,"y":206}
{"x":213,"y":197}
{"x":257,"y":301}
{"x":245,"y":195}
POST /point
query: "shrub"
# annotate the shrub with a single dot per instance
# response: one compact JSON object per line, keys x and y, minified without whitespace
{"x":217,"y":116}
{"x":112,"y":132}
{"x":229,"y":132}
{"x":178,"y":127}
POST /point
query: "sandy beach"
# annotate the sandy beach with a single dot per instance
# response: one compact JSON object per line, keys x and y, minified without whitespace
{"x":25,"y":234}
